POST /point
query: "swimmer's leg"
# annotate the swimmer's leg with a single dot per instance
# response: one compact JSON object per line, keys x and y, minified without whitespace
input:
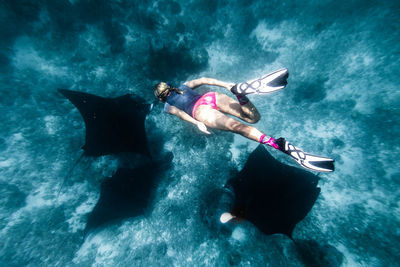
{"x":245,"y":111}
{"x":217,"y":120}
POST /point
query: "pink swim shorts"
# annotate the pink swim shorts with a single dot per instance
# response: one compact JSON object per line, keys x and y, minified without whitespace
{"x":207,"y":99}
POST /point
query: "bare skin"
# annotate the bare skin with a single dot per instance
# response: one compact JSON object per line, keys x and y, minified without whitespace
{"x":205,"y":116}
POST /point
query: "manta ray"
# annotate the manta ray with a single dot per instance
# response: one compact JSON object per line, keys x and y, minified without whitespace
{"x":271,"y":195}
{"x":112,"y":125}
{"x":115,"y":125}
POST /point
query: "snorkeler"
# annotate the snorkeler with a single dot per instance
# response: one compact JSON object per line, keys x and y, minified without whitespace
{"x":210,"y":109}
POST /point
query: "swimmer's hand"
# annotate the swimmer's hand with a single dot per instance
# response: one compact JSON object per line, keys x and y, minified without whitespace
{"x":202,"y":127}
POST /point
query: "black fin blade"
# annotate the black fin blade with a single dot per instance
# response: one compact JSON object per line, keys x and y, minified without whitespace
{"x":281,"y":80}
{"x":328,"y":165}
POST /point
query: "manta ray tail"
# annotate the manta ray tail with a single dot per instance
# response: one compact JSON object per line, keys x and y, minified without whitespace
{"x":69,"y":173}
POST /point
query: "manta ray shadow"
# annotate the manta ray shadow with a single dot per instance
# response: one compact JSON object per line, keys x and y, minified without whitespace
{"x":314,"y":254}
{"x":271,"y":195}
{"x":127,"y":194}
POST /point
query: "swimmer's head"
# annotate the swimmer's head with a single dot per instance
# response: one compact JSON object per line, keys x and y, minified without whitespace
{"x":162,"y":90}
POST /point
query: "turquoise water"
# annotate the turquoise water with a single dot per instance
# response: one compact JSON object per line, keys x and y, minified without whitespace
{"x":342,"y":100}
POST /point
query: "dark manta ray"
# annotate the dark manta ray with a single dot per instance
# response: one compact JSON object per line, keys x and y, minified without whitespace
{"x":271,"y":195}
{"x":112,"y":124}
{"x":128,"y":193}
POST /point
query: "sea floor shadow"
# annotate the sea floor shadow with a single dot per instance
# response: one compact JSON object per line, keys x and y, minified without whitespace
{"x":314,"y":254}
{"x":127,"y":194}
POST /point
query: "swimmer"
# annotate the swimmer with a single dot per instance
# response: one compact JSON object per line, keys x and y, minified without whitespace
{"x":210,"y":110}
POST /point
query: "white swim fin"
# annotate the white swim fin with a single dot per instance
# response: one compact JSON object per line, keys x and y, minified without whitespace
{"x":308,"y":161}
{"x":269,"y":83}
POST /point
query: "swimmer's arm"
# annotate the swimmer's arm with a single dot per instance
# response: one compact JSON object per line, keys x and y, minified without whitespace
{"x":184,"y":116}
{"x":181,"y":114}
{"x":209,"y":81}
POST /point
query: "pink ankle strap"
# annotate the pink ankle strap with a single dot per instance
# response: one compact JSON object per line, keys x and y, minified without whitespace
{"x":262,"y":138}
{"x":271,"y":141}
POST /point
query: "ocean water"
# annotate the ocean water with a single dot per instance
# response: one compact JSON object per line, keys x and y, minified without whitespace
{"x":342,"y":101}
